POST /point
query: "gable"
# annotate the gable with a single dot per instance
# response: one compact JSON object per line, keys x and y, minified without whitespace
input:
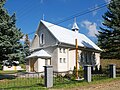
{"x":43,"y":38}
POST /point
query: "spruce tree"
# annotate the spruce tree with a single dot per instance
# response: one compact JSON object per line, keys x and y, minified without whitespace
{"x":10,"y":47}
{"x":109,"y":36}
{"x":27,"y":46}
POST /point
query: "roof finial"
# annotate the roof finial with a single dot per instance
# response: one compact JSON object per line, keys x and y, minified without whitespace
{"x":75,"y":26}
{"x":43,"y":17}
{"x":75,"y":20}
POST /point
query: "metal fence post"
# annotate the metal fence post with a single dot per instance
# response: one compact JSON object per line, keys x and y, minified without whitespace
{"x":112,"y":68}
{"x":48,"y":76}
{"x":87,"y":73}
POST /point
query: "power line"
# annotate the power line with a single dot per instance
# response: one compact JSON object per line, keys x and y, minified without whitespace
{"x":28,"y":9}
{"x":82,"y":13}
{"x":77,"y":15}
{"x":23,"y":4}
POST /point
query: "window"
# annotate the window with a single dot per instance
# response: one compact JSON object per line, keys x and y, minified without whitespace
{"x":64,"y":60}
{"x":42,"y":39}
{"x":81,"y":57}
{"x":60,"y":50}
{"x":60,"y":60}
{"x":63,"y":50}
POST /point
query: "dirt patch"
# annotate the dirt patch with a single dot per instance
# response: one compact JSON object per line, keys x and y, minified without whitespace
{"x":114,"y":85}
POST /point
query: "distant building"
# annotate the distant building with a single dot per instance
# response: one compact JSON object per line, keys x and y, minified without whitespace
{"x":9,"y":66}
{"x":55,"y":45}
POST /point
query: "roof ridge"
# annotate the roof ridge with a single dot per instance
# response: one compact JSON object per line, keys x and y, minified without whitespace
{"x":59,"y":26}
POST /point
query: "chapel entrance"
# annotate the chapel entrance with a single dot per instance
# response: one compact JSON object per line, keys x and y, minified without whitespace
{"x":32,"y":62}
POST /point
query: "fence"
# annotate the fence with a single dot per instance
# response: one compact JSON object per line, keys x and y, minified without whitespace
{"x":21,"y":80}
{"x":96,"y":75}
{"x":28,"y":80}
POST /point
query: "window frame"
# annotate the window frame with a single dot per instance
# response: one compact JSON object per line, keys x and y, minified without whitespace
{"x":60,"y":50}
{"x":64,"y":50}
{"x":60,"y":60}
{"x":42,"y":39}
{"x":64,"y":60}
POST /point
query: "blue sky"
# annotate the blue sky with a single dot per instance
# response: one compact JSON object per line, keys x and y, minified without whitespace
{"x":30,"y":12}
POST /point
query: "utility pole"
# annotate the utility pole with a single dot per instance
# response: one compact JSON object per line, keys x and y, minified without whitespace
{"x":76,"y":48}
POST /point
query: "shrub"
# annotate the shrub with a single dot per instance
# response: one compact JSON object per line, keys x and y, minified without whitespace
{"x":23,"y":66}
{"x":1,"y":67}
{"x":96,"y":70}
{"x":100,"y":70}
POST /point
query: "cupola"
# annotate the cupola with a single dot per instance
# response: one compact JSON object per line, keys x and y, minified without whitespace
{"x":75,"y":26}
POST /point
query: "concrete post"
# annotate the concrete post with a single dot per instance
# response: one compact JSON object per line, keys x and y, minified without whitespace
{"x":48,"y":76}
{"x":112,"y":68}
{"x":87,"y":73}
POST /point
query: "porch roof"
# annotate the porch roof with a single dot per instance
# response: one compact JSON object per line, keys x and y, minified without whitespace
{"x":40,"y":53}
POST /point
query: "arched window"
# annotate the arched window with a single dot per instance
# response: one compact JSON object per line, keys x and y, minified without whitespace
{"x":42,"y":39}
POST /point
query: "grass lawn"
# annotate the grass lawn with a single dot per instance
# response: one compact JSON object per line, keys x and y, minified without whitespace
{"x":83,"y":83}
{"x":38,"y":83}
{"x":11,"y":72}
{"x":22,"y":84}
{"x":106,"y":62}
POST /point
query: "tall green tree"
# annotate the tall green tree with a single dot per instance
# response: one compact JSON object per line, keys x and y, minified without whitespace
{"x":27,"y":46}
{"x":109,"y":36}
{"x":10,"y":47}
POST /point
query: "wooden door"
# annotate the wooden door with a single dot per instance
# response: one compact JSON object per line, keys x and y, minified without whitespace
{"x":32,"y":62}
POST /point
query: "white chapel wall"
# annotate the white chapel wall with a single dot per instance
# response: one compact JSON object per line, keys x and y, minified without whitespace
{"x":41,"y":63}
{"x":36,"y":65}
{"x":62,"y":59}
{"x":35,"y":43}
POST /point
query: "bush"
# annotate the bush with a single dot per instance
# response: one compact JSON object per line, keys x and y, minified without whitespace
{"x":1,"y":67}
{"x":80,"y":72}
{"x":100,"y":70}
{"x":68,"y":76}
{"x":96,"y":70}
{"x":23,"y":66}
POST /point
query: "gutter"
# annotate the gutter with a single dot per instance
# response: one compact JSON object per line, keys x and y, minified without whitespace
{"x":79,"y":47}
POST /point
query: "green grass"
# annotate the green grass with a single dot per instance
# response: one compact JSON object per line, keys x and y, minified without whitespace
{"x":83,"y":83}
{"x":38,"y":83}
{"x":22,"y":84}
{"x":11,"y":72}
{"x":8,"y":72}
{"x":59,"y":83}
{"x":23,"y":66}
{"x":106,"y":62}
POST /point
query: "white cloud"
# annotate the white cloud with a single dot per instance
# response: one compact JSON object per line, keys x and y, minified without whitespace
{"x":95,"y":11}
{"x":22,"y":39}
{"x":107,"y":1}
{"x":91,"y":27}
